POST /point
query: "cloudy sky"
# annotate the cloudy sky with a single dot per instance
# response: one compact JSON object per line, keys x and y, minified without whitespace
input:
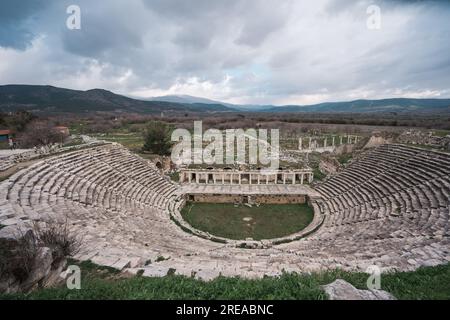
{"x":238,"y":51}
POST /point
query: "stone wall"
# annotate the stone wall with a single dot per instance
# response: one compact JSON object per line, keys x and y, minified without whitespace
{"x":377,"y":140}
{"x":232,"y":198}
{"x":424,"y":138}
{"x":329,"y":165}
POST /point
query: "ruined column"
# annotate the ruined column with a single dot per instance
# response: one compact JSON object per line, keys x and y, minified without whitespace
{"x":309,"y":148}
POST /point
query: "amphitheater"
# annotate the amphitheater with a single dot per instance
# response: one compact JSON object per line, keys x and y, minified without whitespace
{"x":389,"y":208}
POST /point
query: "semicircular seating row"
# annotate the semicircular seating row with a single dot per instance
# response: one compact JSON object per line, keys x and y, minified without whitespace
{"x":115,"y":199}
{"x":389,"y":208}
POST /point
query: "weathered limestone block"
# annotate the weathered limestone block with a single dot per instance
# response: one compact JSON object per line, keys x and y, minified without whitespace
{"x":342,"y":290}
{"x":19,"y":248}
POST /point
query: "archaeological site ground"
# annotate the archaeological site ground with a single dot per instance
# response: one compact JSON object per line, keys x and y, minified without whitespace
{"x":338,"y":205}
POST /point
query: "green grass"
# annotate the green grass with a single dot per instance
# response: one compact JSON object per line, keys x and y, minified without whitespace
{"x":441,"y":133}
{"x":131,"y":140}
{"x":175,"y":176}
{"x":267,"y":221}
{"x":105,"y":283}
{"x":344,"y":158}
{"x":319,"y":175}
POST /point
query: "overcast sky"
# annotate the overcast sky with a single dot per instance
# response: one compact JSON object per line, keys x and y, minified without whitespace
{"x":238,"y":51}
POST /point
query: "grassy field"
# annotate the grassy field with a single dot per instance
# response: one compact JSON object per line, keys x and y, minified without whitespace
{"x":104,"y":283}
{"x":130,"y":140}
{"x":264,"y":222}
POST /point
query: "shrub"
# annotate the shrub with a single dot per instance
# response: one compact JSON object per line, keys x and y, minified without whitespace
{"x":59,"y":239}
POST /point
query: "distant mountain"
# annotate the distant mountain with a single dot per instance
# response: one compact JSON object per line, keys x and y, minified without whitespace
{"x":50,"y":99}
{"x":192,"y":99}
{"x":186,"y":99}
{"x":397,"y":105}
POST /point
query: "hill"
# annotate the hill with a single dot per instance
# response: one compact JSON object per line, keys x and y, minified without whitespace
{"x":397,"y":105}
{"x":49,"y":99}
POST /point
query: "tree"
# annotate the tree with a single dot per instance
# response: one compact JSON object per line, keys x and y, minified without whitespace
{"x":157,"y":138}
{"x":40,"y":133}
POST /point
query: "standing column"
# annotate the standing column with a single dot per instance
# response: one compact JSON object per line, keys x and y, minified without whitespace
{"x":284,"y":178}
{"x":293,"y":178}
{"x":325,"y":143}
{"x":301,"y":181}
{"x":259,"y":178}
{"x":267,"y":179}
{"x":300,"y":144}
{"x":240,"y":179}
{"x":197,"y":178}
{"x":310,"y":143}
{"x":249,"y":178}
{"x":333,"y":141}
{"x":341,"y":140}
{"x":223,"y":178}
{"x":189,"y":177}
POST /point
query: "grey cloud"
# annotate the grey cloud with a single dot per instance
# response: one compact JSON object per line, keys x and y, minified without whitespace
{"x":267,"y":50}
{"x":16,"y":22}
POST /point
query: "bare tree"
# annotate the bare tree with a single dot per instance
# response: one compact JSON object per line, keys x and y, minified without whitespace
{"x":40,"y":133}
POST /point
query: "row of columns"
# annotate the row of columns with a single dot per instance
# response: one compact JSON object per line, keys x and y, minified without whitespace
{"x":239,"y":177}
{"x":312,"y":144}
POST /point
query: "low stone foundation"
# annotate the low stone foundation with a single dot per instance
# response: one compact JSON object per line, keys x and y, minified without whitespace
{"x":235,"y":198}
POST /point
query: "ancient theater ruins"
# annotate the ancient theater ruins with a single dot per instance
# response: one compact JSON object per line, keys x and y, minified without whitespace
{"x":389,"y":207}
